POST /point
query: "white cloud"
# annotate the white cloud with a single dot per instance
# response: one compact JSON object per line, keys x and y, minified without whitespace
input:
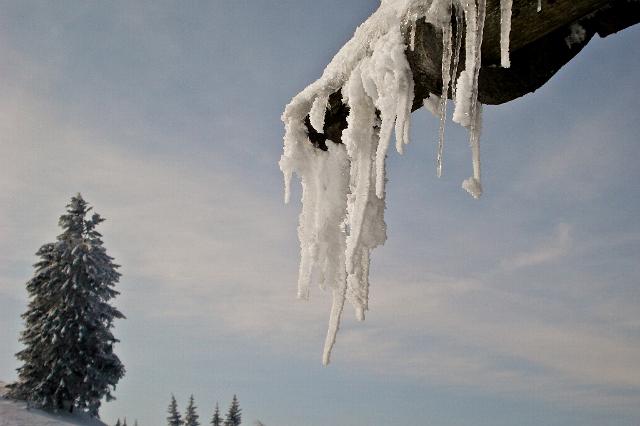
{"x":474,"y":334}
{"x":558,"y":247}
{"x":584,"y":161}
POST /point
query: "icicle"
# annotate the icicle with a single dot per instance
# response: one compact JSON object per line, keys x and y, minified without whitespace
{"x":358,"y":138}
{"x":317,"y":113}
{"x":307,"y":231}
{"x":331,"y":235}
{"x":476,"y":123}
{"x":539,"y":6}
{"x":358,"y":284}
{"x":337,"y":307}
{"x":412,"y":34}
{"x":387,"y":80}
{"x":322,"y":241}
{"x":477,"y":61}
{"x":343,"y":189}
{"x":467,"y":105}
{"x":446,"y":77}
{"x":360,"y":141}
{"x":462,"y":113}
{"x":473,"y":185}
{"x":365,"y":210}
{"x":456,"y":50}
{"x":505,"y":31}
{"x":404,"y":102}
{"x":306,"y":227}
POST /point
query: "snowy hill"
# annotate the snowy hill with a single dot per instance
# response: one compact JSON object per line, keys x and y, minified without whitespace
{"x":15,"y":413}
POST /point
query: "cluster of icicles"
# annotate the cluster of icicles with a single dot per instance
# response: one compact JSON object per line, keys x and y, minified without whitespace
{"x":343,"y":199}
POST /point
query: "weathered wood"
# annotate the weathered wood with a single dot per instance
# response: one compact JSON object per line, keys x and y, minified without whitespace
{"x":538,"y":45}
{"x":540,"y":51}
{"x":528,"y":25}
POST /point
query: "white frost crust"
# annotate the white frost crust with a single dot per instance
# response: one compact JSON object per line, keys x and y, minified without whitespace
{"x":317,"y":113}
{"x":322,"y":245}
{"x":432,"y":103}
{"x":462,"y":111}
{"x":576,"y":36}
{"x":343,"y":188}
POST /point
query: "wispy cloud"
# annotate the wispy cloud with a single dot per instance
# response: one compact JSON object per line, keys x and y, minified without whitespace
{"x":550,"y":251}
{"x":475,"y":334}
{"x":582,"y":164}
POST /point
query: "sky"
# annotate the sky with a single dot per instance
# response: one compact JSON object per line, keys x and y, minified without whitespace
{"x":522,"y":307}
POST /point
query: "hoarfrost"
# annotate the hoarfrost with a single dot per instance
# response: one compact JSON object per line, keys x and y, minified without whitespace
{"x":432,"y":103}
{"x":343,"y":188}
{"x":576,"y":36}
{"x":317,"y":113}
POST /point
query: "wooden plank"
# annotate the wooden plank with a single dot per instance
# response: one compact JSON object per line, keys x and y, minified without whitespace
{"x":538,"y":44}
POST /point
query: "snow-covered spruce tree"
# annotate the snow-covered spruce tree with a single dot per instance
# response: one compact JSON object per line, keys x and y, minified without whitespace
{"x":216,"y":420}
{"x":68,"y":359}
{"x":234,"y":415}
{"x":191,"y":417}
{"x":174,"y":418}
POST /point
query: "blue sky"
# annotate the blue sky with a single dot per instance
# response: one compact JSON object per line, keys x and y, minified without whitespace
{"x":522,"y":307}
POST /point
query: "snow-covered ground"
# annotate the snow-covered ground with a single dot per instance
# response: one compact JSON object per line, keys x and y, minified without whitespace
{"x":16,"y":413}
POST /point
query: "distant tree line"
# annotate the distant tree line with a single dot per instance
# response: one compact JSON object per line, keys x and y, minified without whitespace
{"x":124,"y":423}
{"x":233,"y":417}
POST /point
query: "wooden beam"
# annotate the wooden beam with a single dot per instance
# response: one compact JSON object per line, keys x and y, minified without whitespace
{"x":538,"y":43}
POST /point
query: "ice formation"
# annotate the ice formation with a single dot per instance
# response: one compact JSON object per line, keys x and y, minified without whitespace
{"x":505,"y":30}
{"x":343,"y":188}
{"x":576,"y":36}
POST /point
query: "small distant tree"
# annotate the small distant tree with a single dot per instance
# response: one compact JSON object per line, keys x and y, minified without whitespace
{"x":234,"y":415}
{"x":125,"y":422}
{"x":68,"y":359}
{"x":216,"y":420}
{"x":118,"y":423}
{"x":191,"y":417}
{"x":174,"y":418}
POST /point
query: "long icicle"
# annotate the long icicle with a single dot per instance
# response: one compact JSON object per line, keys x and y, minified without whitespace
{"x":505,"y":31}
{"x":456,"y":50}
{"x":446,"y":78}
{"x":337,"y":307}
{"x":412,"y":34}
{"x":473,"y":185}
